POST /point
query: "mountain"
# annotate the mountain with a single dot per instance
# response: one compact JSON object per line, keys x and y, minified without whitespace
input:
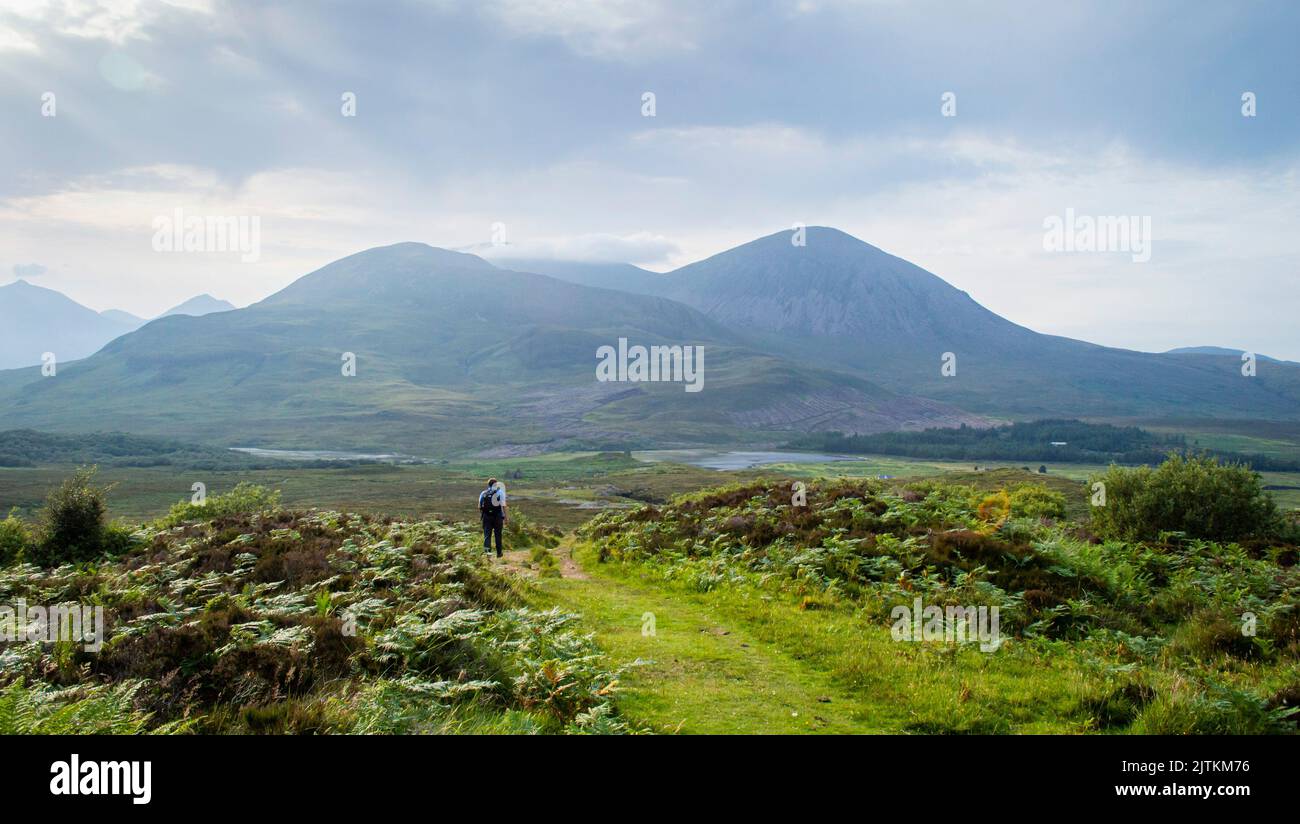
{"x":35,"y":320}
{"x":124,"y":318}
{"x":1219,"y":350}
{"x":203,"y":304}
{"x":621,"y":276}
{"x":838,"y":301}
{"x":452,"y":354}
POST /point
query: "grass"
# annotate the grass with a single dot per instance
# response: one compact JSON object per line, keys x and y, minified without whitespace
{"x":563,"y":490}
{"x":702,"y":673}
{"x":741,"y":660}
{"x":750,"y":634}
{"x":559,"y":489}
{"x":1107,"y":637}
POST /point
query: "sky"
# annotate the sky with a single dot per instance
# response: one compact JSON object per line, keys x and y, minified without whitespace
{"x":950,"y":134}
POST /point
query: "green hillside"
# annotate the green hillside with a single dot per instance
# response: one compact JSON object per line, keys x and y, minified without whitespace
{"x":451,"y":354}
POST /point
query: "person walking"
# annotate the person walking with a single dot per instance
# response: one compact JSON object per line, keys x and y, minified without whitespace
{"x":492,"y":509}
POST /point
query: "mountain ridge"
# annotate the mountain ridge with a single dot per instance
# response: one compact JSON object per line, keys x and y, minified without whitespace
{"x":448,"y":349}
{"x":452,"y":350}
{"x":838,"y":299}
{"x":36,"y":319}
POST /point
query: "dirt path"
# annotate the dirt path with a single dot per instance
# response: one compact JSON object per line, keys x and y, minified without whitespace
{"x":521,"y":563}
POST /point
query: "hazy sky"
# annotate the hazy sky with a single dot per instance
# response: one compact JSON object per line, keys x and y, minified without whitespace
{"x":530,"y":114}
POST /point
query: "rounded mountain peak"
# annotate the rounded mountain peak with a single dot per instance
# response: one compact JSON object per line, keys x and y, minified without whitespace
{"x":391,"y":270}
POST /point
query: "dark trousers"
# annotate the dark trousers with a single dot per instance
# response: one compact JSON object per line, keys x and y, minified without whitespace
{"x":492,"y":526}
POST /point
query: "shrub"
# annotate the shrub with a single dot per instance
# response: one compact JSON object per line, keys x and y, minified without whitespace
{"x":244,"y":499}
{"x":1194,"y":495}
{"x":521,"y":533}
{"x":15,"y":538}
{"x":1036,"y":501}
{"x":995,"y":508}
{"x":72,"y":524}
{"x":118,"y":538}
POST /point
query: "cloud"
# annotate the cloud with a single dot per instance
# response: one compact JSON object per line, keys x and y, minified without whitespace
{"x":113,"y":21}
{"x":605,"y":29}
{"x":770,"y":114}
{"x":969,"y":207}
{"x":14,"y":40}
{"x":29,"y":270}
{"x":124,"y":72}
{"x":640,"y":248}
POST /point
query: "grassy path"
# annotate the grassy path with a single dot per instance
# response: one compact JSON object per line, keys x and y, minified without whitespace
{"x":744,"y":661}
{"x":705,"y":674}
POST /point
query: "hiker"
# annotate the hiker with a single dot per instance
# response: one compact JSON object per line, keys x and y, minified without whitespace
{"x":492,"y":508}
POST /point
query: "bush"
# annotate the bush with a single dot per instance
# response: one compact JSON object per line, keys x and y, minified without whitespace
{"x":118,"y":539}
{"x":1194,"y":495}
{"x":1036,"y":501}
{"x":995,"y":508}
{"x":244,"y":499}
{"x":521,"y":533}
{"x":72,"y":524}
{"x":15,"y":538}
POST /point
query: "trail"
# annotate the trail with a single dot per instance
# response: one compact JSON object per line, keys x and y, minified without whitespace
{"x":519,"y":562}
{"x":705,"y":674}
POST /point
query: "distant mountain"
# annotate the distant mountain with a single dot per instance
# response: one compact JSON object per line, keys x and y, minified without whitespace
{"x":35,"y":320}
{"x":124,"y":318}
{"x":203,"y":304}
{"x":451,"y":354}
{"x":837,"y":301}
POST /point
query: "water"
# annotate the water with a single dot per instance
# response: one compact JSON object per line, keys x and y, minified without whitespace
{"x":735,"y":459}
{"x":707,"y":458}
{"x":324,"y":455}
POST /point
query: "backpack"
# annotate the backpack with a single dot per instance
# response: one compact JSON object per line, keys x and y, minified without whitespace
{"x":485,"y":504}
